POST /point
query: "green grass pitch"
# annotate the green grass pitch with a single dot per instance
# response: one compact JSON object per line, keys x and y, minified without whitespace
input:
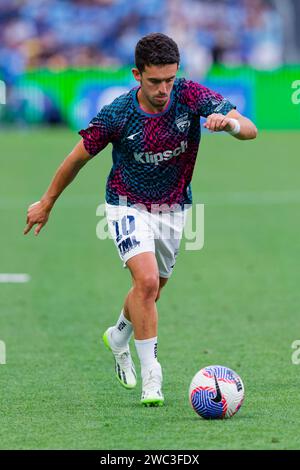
{"x":235,"y":303}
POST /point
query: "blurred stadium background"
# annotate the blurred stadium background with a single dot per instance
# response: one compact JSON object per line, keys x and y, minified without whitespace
{"x":60,"y":60}
{"x":236,"y":301}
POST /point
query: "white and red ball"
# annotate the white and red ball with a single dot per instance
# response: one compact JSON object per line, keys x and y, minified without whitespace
{"x":216,"y":392}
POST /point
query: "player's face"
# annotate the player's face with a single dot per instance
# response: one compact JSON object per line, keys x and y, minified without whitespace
{"x":156,"y":84}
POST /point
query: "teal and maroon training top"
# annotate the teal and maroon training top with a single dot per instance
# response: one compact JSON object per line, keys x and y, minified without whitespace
{"x":153,"y":154}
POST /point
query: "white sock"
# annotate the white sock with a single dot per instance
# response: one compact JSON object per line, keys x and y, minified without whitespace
{"x":147,"y":352}
{"x":122,"y":331}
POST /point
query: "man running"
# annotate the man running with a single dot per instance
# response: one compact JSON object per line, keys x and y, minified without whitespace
{"x":155,"y":133}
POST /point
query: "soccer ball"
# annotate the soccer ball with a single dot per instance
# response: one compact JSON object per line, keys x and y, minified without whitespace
{"x":216,"y":392}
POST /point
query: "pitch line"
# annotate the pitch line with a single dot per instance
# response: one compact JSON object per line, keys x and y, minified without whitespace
{"x":16,"y":278}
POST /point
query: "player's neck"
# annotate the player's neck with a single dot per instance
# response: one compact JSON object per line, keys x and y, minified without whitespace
{"x":146,"y":106}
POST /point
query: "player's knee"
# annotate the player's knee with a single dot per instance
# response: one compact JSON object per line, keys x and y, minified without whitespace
{"x":148,"y":286}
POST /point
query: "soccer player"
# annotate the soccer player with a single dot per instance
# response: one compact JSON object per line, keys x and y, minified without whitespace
{"x":155,"y":133}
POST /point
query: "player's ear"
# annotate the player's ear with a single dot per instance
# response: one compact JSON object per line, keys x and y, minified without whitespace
{"x":136,"y":73}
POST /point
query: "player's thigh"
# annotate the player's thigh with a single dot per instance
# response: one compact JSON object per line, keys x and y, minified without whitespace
{"x":130,"y":231}
{"x":168,"y":243}
{"x":144,"y":270}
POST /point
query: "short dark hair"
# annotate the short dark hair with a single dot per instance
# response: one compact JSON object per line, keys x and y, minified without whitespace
{"x":156,"y":49}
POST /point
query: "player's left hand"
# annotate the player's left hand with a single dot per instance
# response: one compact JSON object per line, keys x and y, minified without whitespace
{"x":218,"y":122}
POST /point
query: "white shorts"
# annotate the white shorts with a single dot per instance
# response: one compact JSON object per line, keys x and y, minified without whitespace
{"x":137,"y":231}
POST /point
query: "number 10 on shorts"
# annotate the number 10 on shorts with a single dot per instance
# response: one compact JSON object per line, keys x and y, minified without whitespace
{"x":124,"y":230}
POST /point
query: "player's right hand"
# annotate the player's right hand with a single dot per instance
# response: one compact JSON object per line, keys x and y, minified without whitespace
{"x":37,"y":214}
